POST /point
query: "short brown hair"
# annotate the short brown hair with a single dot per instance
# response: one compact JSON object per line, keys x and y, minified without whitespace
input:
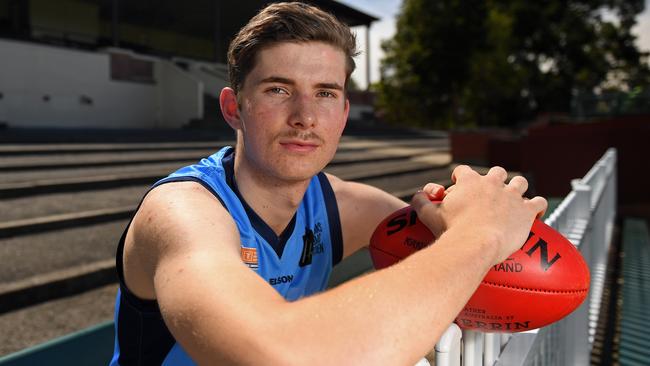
{"x":287,"y":22}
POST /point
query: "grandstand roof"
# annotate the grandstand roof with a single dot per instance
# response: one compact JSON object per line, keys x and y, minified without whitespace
{"x":199,"y":29}
{"x":197,"y":17}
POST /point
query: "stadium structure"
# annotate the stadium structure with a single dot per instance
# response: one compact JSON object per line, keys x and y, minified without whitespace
{"x":122,"y":64}
{"x":144,"y":65}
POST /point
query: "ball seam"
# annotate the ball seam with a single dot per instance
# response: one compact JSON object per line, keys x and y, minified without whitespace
{"x":536,"y":290}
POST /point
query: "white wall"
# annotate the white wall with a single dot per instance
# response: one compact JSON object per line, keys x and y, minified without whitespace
{"x":213,"y":83}
{"x":214,"y":76}
{"x":29,"y":72}
{"x":180,"y":95}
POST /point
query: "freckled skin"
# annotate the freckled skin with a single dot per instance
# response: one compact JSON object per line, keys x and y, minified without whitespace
{"x":289,"y":116}
{"x":271,"y":112}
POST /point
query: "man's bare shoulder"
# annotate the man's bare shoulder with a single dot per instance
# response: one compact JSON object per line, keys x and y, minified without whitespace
{"x":182,"y":202}
{"x":180,"y":208}
{"x":176,"y":219}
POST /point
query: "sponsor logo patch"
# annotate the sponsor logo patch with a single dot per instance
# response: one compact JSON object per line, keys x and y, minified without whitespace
{"x":280,"y":280}
{"x":249,"y":257}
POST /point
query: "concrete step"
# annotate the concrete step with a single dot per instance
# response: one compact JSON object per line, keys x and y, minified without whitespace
{"x":30,"y":207}
{"x":40,"y":253}
{"x":55,"y":318}
{"x":69,"y":261}
{"x":32,"y":169}
{"x":101,"y":194}
{"x":56,"y":284}
{"x":93,"y":160}
{"x":82,"y":160}
{"x":9,"y":149}
{"x":86,"y":148}
{"x":62,"y":180}
{"x":26,"y":226}
{"x":57,"y":222}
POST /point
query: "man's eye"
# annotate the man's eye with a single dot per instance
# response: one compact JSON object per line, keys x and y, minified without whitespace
{"x":277,"y":90}
{"x":326,"y":94}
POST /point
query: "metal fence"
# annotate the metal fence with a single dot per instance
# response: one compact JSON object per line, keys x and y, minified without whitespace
{"x":586,"y":217}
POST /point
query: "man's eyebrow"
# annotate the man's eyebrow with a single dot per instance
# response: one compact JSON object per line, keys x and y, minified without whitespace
{"x":283,"y":80}
{"x":335,"y":86}
{"x":277,"y":79}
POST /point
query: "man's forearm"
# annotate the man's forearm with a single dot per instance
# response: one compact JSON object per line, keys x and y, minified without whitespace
{"x":393,"y":316}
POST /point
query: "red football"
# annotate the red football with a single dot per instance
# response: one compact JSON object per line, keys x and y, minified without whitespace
{"x":539,"y":284}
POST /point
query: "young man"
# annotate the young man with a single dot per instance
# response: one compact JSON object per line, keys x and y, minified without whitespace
{"x":226,"y":261}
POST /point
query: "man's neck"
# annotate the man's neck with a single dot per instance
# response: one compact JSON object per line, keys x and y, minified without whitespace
{"x":275,"y":201}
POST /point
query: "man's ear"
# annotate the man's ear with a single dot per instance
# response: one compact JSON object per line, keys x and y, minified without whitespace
{"x":346,"y":113}
{"x":230,"y":108}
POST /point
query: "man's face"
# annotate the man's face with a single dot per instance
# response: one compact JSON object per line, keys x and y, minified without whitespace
{"x":293,"y":109}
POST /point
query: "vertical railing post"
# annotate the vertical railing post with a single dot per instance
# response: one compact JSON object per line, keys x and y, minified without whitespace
{"x":448,"y":347}
{"x":582,"y":203}
{"x":472,"y":348}
{"x":491,"y":348}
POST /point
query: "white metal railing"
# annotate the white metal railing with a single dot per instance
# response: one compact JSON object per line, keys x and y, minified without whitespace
{"x":586,"y":217}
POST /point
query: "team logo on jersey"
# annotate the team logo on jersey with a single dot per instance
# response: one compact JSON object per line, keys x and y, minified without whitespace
{"x":311,"y":244}
{"x":249,"y":257}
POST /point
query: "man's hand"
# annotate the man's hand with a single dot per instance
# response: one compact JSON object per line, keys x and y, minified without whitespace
{"x":434,"y":191}
{"x":483,"y":204}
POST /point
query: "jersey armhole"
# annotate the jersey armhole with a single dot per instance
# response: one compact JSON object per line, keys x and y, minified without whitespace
{"x":333,"y":218}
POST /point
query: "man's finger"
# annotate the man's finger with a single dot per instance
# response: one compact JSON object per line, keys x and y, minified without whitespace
{"x":462,"y":171}
{"x":519,"y":184}
{"x":434,"y":190}
{"x":498,"y":173}
{"x":539,"y":205}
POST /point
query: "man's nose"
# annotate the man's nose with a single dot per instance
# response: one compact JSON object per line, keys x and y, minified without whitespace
{"x":303,"y":114}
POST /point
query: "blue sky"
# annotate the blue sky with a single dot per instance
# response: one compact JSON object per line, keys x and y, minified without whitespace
{"x":386,"y":10}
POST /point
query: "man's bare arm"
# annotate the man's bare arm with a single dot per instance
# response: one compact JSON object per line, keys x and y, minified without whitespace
{"x":363,"y":207}
{"x":221,"y":312}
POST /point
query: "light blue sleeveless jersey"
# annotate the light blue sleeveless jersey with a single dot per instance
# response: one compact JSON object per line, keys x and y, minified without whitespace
{"x":296,"y":264}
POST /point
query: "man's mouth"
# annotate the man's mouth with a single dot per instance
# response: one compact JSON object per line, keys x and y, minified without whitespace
{"x":299,"y":145}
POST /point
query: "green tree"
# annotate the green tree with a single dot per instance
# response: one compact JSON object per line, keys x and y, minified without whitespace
{"x":424,"y":71}
{"x":498,"y":62}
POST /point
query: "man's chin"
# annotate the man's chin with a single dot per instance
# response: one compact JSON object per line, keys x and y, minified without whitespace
{"x":299,"y":176}
{"x":299,"y":173}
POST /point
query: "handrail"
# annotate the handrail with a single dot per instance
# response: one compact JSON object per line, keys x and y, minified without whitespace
{"x":586,"y":217}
